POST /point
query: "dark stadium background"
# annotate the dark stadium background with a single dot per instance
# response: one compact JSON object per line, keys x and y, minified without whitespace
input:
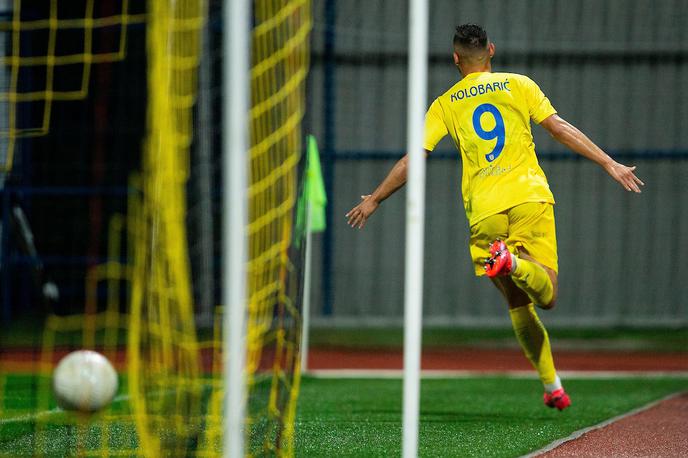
{"x":72,"y":180}
{"x":617,"y":69}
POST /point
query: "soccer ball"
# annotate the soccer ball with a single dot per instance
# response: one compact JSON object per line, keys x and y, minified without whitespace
{"x":84,"y":381}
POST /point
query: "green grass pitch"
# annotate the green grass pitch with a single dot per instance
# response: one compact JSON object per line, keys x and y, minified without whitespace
{"x":487,"y":416}
{"x":484,"y":416}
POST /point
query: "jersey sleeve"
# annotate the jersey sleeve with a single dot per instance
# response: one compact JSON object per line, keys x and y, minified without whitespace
{"x":435,"y":128}
{"x":539,"y":106}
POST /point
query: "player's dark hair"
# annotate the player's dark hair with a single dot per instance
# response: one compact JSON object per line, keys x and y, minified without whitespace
{"x":470,"y":37}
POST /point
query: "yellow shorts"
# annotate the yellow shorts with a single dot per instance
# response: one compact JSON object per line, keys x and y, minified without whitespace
{"x":528,"y":227}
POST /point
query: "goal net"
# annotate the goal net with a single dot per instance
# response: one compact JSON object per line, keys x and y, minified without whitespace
{"x":150,"y":289}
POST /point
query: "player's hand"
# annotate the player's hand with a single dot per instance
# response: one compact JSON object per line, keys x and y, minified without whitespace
{"x":625,"y":176}
{"x":360,"y":213}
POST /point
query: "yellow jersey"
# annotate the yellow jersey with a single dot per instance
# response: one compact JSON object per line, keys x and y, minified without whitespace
{"x":488,"y":117}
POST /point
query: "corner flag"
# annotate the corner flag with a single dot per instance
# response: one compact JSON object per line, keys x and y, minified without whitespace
{"x":315,"y":187}
{"x":310,"y":217}
{"x":312,"y":194}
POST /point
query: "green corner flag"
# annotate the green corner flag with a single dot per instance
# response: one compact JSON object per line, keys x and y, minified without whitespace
{"x":313,"y":193}
{"x":315,"y":187}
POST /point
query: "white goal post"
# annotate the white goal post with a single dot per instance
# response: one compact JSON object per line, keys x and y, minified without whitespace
{"x":235,"y":107}
{"x":415,"y":220}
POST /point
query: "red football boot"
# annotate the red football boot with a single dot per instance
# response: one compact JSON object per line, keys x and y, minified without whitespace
{"x":499,"y":263}
{"x":557,"y":398}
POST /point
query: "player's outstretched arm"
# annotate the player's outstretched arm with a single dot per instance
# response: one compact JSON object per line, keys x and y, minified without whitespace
{"x":396,"y":178}
{"x":568,"y":135}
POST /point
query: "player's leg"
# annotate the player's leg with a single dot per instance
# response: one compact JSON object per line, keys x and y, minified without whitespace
{"x":537,"y":280}
{"x":530,"y":333}
{"x":532,"y":261}
{"x":534,"y":340}
{"x":515,"y":297}
{"x":532,"y":237}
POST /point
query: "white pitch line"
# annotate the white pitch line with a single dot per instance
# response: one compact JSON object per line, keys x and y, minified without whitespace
{"x":47,"y":413}
{"x":576,"y":434}
{"x":620,"y":374}
{"x":398,"y":373}
{"x":529,"y":374}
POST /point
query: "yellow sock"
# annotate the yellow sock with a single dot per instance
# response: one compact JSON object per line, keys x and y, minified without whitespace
{"x":534,"y":281}
{"x":532,"y":335}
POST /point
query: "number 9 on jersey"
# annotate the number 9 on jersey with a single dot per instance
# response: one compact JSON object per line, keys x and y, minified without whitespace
{"x":497,"y":132}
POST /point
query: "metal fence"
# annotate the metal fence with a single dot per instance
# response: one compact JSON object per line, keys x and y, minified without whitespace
{"x":616,"y":69}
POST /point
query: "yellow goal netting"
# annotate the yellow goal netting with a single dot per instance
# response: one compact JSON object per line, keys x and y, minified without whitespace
{"x":175,"y":374}
{"x":170,"y":401}
{"x":31,"y":77}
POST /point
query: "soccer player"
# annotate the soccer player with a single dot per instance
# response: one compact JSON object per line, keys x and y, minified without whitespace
{"x":505,"y":192}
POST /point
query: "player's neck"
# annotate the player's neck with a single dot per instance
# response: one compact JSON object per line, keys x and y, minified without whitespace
{"x":486,"y":68}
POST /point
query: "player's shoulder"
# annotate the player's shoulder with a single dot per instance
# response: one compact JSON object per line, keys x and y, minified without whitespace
{"x":517,"y":77}
{"x":523,"y":81}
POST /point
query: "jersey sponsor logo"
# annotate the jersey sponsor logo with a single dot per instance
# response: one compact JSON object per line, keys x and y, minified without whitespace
{"x":494,"y":171}
{"x":480,"y":89}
